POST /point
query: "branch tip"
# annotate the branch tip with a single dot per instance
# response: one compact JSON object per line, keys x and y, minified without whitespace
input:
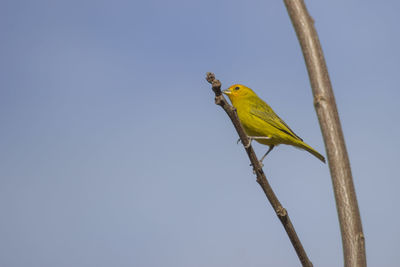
{"x":210,"y":77}
{"x":215,"y":84}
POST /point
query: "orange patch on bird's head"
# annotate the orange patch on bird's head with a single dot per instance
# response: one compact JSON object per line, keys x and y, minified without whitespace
{"x":238,"y":91}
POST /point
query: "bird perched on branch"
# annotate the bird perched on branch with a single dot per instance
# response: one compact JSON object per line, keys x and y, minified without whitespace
{"x":261,"y":123}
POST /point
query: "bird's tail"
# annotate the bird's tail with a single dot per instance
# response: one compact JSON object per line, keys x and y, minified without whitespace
{"x":311,"y":150}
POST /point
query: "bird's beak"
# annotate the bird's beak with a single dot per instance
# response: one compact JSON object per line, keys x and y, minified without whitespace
{"x":227,"y":92}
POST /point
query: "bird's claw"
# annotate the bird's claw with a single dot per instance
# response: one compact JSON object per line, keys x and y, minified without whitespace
{"x":249,"y":144}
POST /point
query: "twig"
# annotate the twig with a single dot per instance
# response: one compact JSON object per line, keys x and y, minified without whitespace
{"x":325,"y":105}
{"x":261,"y":179}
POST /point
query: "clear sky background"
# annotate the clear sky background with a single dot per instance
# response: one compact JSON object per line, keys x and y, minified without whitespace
{"x":113,"y":153}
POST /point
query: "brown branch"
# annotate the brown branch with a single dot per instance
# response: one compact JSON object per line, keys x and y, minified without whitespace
{"x":325,"y":105}
{"x":257,"y":168}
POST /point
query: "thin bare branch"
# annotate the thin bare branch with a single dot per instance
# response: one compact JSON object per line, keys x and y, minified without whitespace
{"x":257,"y":168}
{"x":325,"y":105}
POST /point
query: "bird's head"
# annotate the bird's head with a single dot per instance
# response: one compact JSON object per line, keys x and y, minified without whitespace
{"x":238,"y":91}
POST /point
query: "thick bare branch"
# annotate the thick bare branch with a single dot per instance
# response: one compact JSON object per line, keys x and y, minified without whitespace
{"x":325,"y":105}
{"x":257,"y":168}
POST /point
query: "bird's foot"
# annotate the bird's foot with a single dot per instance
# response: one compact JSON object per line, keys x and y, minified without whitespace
{"x":250,"y":138}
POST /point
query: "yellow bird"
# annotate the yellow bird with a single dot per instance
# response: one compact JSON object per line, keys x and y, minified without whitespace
{"x":261,"y":123}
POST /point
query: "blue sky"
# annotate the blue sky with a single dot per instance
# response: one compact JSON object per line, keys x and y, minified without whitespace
{"x":113,"y":153}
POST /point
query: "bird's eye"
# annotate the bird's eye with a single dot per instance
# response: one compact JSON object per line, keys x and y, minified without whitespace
{"x":237,"y":88}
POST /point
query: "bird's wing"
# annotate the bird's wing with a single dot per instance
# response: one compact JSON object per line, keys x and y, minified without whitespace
{"x":265,"y":112}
